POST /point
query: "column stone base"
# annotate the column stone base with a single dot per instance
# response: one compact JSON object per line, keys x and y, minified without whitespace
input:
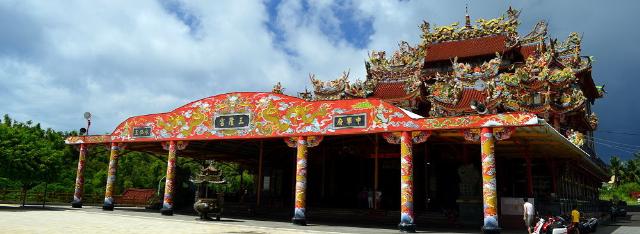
{"x":76,"y":204}
{"x":299,"y":221}
{"x":166,"y":211}
{"x":492,"y":230}
{"x":407,"y":227}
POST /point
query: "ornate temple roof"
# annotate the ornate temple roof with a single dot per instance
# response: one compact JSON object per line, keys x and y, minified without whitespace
{"x":530,"y":72}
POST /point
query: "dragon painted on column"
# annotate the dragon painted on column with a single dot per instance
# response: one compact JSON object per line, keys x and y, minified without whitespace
{"x":406,"y":183}
{"x":109,"y":202}
{"x":489,"y":191}
{"x":301,"y":182}
{"x":79,"y":189}
{"x":167,"y":202}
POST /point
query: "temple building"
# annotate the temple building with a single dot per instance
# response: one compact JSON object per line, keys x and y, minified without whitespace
{"x":458,"y":128}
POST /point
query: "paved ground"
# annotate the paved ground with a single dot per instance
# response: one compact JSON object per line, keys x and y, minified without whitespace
{"x":14,"y":219}
{"x":628,"y":225}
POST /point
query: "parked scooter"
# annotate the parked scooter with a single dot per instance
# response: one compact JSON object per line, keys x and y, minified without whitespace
{"x":562,"y":225}
{"x":589,"y":225}
{"x":550,"y":225}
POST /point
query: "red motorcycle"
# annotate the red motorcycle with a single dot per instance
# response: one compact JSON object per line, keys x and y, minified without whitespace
{"x":561,"y":224}
{"x":551,"y":225}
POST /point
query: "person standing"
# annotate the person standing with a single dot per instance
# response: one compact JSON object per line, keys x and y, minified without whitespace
{"x":613,"y":212}
{"x":378,"y":199}
{"x":528,"y":212}
{"x":575,"y":218}
{"x":370,"y":199}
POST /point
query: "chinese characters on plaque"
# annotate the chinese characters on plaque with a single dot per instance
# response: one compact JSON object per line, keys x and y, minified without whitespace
{"x":142,"y":132}
{"x":231,"y":121}
{"x":350,"y":121}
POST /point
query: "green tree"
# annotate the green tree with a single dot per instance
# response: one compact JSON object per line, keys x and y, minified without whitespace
{"x":29,"y":154}
{"x":35,"y":159}
{"x":632,"y":171}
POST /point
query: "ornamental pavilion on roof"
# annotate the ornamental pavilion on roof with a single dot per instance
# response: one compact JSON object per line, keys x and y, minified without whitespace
{"x":483,"y":117}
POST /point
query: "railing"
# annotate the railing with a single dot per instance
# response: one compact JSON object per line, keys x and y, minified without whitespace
{"x":564,"y":206}
{"x":38,"y":198}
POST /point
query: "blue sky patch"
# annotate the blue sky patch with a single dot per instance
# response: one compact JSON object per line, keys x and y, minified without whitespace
{"x":177,"y":8}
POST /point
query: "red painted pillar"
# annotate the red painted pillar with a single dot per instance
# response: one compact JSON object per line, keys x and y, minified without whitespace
{"x":167,"y":203}
{"x":79,"y":190}
{"x":406,"y":184}
{"x":529,"y":176}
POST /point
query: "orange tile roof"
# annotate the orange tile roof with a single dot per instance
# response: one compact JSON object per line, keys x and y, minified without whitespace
{"x":391,"y":90}
{"x":464,"y":103}
{"x":528,"y":50}
{"x":467,"y":96}
{"x":466,"y":48}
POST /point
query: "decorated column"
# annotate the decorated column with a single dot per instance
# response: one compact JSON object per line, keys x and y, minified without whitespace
{"x":489,"y":193}
{"x":301,"y":144}
{"x":406,"y":141}
{"x":301,"y":182}
{"x":167,"y":202}
{"x":111,"y":177}
{"x":79,"y":190}
{"x":406,"y":184}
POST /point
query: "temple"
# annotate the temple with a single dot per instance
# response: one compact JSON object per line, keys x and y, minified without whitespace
{"x":462,"y":125}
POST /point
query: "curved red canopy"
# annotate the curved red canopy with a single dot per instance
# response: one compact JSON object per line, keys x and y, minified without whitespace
{"x":253,"y":115}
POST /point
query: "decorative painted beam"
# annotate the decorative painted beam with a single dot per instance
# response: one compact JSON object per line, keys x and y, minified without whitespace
{"x":265,"y":115}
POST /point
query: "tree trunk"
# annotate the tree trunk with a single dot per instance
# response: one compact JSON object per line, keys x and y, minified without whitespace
{"x":24,"y":196}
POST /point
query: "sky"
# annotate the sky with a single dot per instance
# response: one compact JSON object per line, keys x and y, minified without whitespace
{"x":117,"y":58}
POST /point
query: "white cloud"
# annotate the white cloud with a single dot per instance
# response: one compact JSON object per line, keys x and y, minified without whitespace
{"x":123,"y":58}
{"x":118,"y":59}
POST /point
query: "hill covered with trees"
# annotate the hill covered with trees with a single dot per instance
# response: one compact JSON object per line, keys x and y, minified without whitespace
{"x":33,"y":159}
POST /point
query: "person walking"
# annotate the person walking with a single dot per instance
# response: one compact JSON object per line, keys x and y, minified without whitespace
{"x":613,"y":212}
{"x":527,"y":214}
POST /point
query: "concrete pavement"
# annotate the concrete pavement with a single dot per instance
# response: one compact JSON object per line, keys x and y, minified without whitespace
{"x":61,"y":219}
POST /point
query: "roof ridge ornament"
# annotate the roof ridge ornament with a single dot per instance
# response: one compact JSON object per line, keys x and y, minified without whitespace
{"x":467,"y":19}
{"x":277,"y":88}
{"x":406,"y":55}
{"x":537,"y":35}
{"x":506,"y":24}
{"x":341,"y":88}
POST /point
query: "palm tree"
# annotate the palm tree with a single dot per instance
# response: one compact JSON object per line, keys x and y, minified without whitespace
{"x":616,"y":169}
{"x":632,"y":171}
